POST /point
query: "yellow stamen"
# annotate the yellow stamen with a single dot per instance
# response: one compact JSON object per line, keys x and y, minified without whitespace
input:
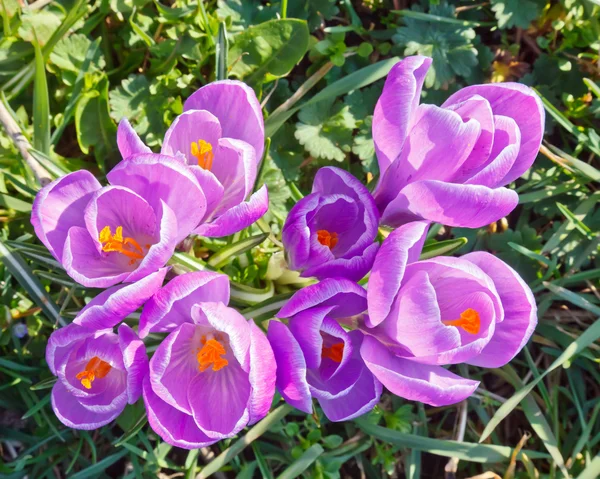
{"x":119,"y":244}
{"x":327,"y":239}
{"x":95,"y":368}
{"x":203,"y":151}
{"x":469,"y":321}
{"x":335,"y":352}
{"x":210,"y":354}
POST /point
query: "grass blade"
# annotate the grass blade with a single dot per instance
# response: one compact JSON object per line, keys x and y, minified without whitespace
{"x":439,"y":248}
{"x":41,"y":104}
{"x":302,"y":463}
{"x":225,"y":255}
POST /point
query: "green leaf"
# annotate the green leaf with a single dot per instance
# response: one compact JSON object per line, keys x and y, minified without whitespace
{"x":439,"y":248}
{"x":302,"y":463}
{"x":590,"y":335}
{"x":14,"y":203}
{"x":268,"y":308}
{"x":222,"y":257}
{"x":100,"y":466}
{"x":69,"y":55}
{"x":221,"y":50}
{"x":40,"y":24}
{"x":269,"y":50}
{"x":41,"y":104}
{"x":515,"y":13}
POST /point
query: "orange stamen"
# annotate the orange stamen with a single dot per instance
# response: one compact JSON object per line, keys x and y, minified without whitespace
{"x":469,"y":321}
{"x":95,"y":368}
{"x":203,"y":151}
{"x":210,"y":354}
{"x":327,"y":239}
{"x":119,"y":244}
{"x":335,"y":352}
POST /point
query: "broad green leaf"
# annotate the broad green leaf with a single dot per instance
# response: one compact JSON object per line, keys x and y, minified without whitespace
{"x":269,"y":50}
{"x":38,"y":24}
{"x":302,"y":463}
{"x":515,"y":13}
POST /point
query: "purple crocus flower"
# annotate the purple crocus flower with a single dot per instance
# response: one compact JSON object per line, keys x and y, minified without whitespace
{"x":449,"y":164}
{"x":99,"y":373}
{"x":317,"y":358}
{"x":221,"y":136}
{"x":124,"y":231}
{"x":424,"y":314}
{"x":214,"y":373}
{"x":331,"y":232}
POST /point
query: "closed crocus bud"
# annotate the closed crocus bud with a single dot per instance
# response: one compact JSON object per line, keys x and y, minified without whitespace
{"x":331,"y":232}
{"x":99,"y":373}
{"x":449,"y":164}
{"x":214,"y":373}
{"x":425,"y":314}
{"x":220,"y":135}
{"x":317,"y":358}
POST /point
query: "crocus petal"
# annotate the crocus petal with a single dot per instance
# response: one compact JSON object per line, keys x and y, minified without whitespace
{"x":520,"y":103}
{"x":212,"y":188}
{"x":61,"y":342}
{"x":348,"y":297}
{"x":190,"y":127}
{"x":403,"y":246}
{"x":306,"y":329}
{"x":111,"y":306}
{"x":161,"y":178}
{"x":135,"y":360}
{"x":72,"y":414}
{"x":58,"y":206}
{"x":392,"y":116}
{"x":173,"y":426}
{"x":410,"y":380}
{"x":437,"y":146}
{"x":238,"y":217}
{"x":172,"y":305}
{"x":235,"y":105}
{"x":354,"y":268}
{"x":262,"y":374}
{"x":470,"y":206}
{"x":520,"y":312}
{"x":291,"y":367}
{"x":128,"y":141}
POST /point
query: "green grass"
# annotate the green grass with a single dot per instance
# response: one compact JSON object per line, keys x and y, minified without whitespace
{"x":71,"y":69}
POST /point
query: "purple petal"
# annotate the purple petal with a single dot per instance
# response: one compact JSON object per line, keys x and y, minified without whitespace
{"x":348,"y":297}
{"x":470,"y":206}
{"x":238,"y":217}
{"x":394,"y":109}
{"x":190,"y":127}
{"x":61,"y":342}
{"x":306,"y":329}
{"x":291,"y":367}
{"x":410,"y":380}
{"x":128,"y":141}
{"x":520,"y":103}
{"x":135,"y":360}
{"x":520,"y":312}
{"x":262,"y":374}
{"x":212,"y":188}
{"x":163,"y":178}
{"x":437,"y":146}
{"x":354,"y":268}
{"x":172,"y":305}
{"x":72,"y":414}
{"x":173,"y":426}
{"x":403,"y":246}
{"x":235,"y":105}
{"x":59,"y":206}
{"x":111,"y":306}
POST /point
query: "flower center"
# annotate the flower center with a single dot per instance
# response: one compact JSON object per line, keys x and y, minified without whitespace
{"x":210,"y":355}
{"x":335,"y":352}
{"x":327,"y":239}
{"x":95,"y":368}
{"x":203,"y":151}
{"x":117,"y":243}
{"x":469,"y":321}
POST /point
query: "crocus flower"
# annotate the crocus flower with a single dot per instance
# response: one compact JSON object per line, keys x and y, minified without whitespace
{"x":99,"y":373}
{"x":214,"y":373}
{"x":124,"y":231}
{"x":221,"y":136}
{"x":449,"y":164}
{"x":331,"y":232}
{"x":424,"y":314}
{"x":317,"y":358}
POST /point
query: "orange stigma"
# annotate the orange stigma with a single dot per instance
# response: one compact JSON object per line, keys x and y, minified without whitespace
{"x":469,"y":321}
{"x":210,"y":354}
{"x":117,"y":243}
{"x":95,"y":368}
{"x":327,"y":239}
{"x":203,"y":151}
{"x":335,"y":352}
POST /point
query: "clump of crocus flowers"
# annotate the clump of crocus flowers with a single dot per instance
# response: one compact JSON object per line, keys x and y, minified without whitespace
{"x":377,"y":317}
